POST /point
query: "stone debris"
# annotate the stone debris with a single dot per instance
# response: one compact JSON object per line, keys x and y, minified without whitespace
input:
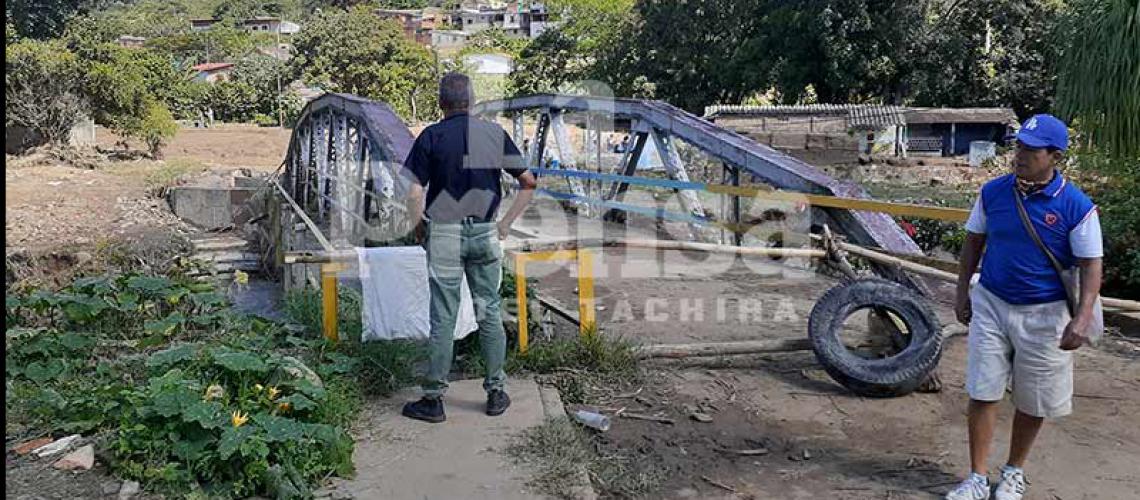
{"x":55,"y":447}
{"x":701,"y":417}
{"x":27,"y":446}
{"x":129,"y":489}
{"x":81,"y":459}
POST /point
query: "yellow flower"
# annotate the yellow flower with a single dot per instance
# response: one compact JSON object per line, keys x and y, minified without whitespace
{"x":214,"y":392}
{"x":238,"y":418}
{"x":241,"y":278}
{"x":273,"y":392}
{"x":283,"y":406}
{"x":258,"y":387}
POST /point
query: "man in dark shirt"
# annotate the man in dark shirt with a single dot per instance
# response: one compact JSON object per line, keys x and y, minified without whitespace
{"x":461,"y":160}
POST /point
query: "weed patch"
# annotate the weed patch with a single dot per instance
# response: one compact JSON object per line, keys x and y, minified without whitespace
{"x":148,"y":308}
{"x":234,"y":422}
{"x":181,"y":393}
{"x":559,"y":451}
{"x":380,"y":368}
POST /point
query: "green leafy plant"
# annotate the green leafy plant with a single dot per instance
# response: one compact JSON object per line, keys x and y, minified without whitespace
{"x":231,"y":423}
{"x":130,"y":306}
{"x":57,"y":381}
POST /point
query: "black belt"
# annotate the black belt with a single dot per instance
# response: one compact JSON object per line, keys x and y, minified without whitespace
{"x":466,"y":220}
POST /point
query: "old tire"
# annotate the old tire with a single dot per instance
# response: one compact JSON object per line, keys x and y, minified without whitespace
{"x":895,"y":375}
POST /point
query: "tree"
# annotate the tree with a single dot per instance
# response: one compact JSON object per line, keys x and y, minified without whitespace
{"x":1099,"y":86}
{"x":590,"y":44}
{"x":127,"y":88}
{"x":1099,"y":92}
{"x":42,"y":19}
{"x":988,"y":53}
{"x":153,"y":127}
{"x":356,"y":52}
{"x":220,"y":43}
{"x":42,"y":89}
{"x":493,"y":40}
{"x":238,"y":10}
{"x":547,"y":63}
{"x":693,"y":52}
{"x":251,"y":91}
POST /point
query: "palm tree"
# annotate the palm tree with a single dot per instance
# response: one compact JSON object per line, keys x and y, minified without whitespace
{"x":1099,"y":83}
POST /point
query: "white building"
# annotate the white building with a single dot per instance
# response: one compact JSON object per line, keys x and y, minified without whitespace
{"x":446,"y":39}
{"x":489,"y":64}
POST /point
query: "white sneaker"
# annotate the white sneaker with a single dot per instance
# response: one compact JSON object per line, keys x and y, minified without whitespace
{"x":975,"y":487}
{"x":1012,"y":484}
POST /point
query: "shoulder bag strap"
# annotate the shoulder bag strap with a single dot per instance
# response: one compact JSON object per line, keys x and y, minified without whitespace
{"x":1069,"y":299}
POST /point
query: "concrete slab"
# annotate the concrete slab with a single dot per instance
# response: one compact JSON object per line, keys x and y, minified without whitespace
{"x":211,"y":207}
{"x":400,"y":458}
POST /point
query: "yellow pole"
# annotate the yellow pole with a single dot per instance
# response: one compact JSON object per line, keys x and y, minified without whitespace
{"x":328,"y":301}
{"x":520,"y":295}
{"x":586,"y":321}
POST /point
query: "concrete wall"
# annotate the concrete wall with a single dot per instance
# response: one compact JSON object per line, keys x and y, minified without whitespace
{"x":18,"y":139}
{"x":211,"y":207}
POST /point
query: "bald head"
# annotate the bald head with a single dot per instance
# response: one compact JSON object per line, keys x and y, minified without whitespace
{"x":455,"y":92}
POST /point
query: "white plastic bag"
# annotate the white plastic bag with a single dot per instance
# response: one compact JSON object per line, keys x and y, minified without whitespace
{"x":396,"y":299}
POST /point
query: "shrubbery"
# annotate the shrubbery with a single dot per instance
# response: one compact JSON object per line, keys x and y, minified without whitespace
{"x":1114,"y":185}
{"x":178,"y":391}
{"x":42,"y":89}
{"x":237,"y":422}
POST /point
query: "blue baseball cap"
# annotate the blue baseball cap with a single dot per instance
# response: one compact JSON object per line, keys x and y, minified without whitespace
{"x":1043,"y":131}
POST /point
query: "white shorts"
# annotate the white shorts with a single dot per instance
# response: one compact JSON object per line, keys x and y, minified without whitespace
{"x":1023,"y":342}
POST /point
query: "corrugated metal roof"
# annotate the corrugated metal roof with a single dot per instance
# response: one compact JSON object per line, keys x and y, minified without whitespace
{"x":871,"y":116}
{"x":777,"y":110}
{"x":961,"y":115}
{"x":875,"y":117}
{"x":858,"y":116}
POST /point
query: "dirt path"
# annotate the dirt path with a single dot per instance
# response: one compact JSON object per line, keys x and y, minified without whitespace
{"x":821,"y":441}
{"x":230,"y":146}
{"x":53,"y":206}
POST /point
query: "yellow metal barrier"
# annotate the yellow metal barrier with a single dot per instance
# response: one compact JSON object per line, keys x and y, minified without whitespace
{"x":329,"y":300}
{"x":901,"y":209}
{"x":585,"y":259}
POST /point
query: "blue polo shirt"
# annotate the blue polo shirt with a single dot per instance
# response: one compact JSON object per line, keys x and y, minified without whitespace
{"x":1013,"y":267}
{"x":461,"y":160}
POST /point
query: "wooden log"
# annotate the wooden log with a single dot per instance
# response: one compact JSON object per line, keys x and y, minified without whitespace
{"x":220,"y":244}
{"x":305,"y":218}
{"x":575,"y":243}
{"x":721,"y":348}
{"x":900,"y":263}
{"x":1122,"y":304}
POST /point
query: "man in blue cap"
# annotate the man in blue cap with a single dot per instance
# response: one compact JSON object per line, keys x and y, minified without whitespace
{"x":1020,"y":325}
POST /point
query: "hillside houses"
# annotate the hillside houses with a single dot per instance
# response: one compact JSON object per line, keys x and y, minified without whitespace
{"x":444,"y":29}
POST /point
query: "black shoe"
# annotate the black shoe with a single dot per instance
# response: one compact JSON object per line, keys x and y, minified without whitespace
{"x":426,"y":409}
{"x":497,"y":402}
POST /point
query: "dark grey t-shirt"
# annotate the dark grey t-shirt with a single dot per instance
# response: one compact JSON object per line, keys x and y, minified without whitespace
{"x":461,"y":160}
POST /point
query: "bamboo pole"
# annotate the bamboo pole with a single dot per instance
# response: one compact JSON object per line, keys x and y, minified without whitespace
{"x":576,"y":243}
{"x":305,"y":217}
{"x":572,"y":243}
{"x":1123,"y":304}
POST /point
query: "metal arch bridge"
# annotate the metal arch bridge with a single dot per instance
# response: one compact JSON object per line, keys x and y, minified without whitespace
{"x":664,"y":124}
{"x":343,"y":168}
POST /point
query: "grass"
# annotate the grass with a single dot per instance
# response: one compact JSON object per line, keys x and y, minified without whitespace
{"x":560,"y":452}
{"x":159,"y":176}
{"x":556,"y":450}
{"x":380,"y":368}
